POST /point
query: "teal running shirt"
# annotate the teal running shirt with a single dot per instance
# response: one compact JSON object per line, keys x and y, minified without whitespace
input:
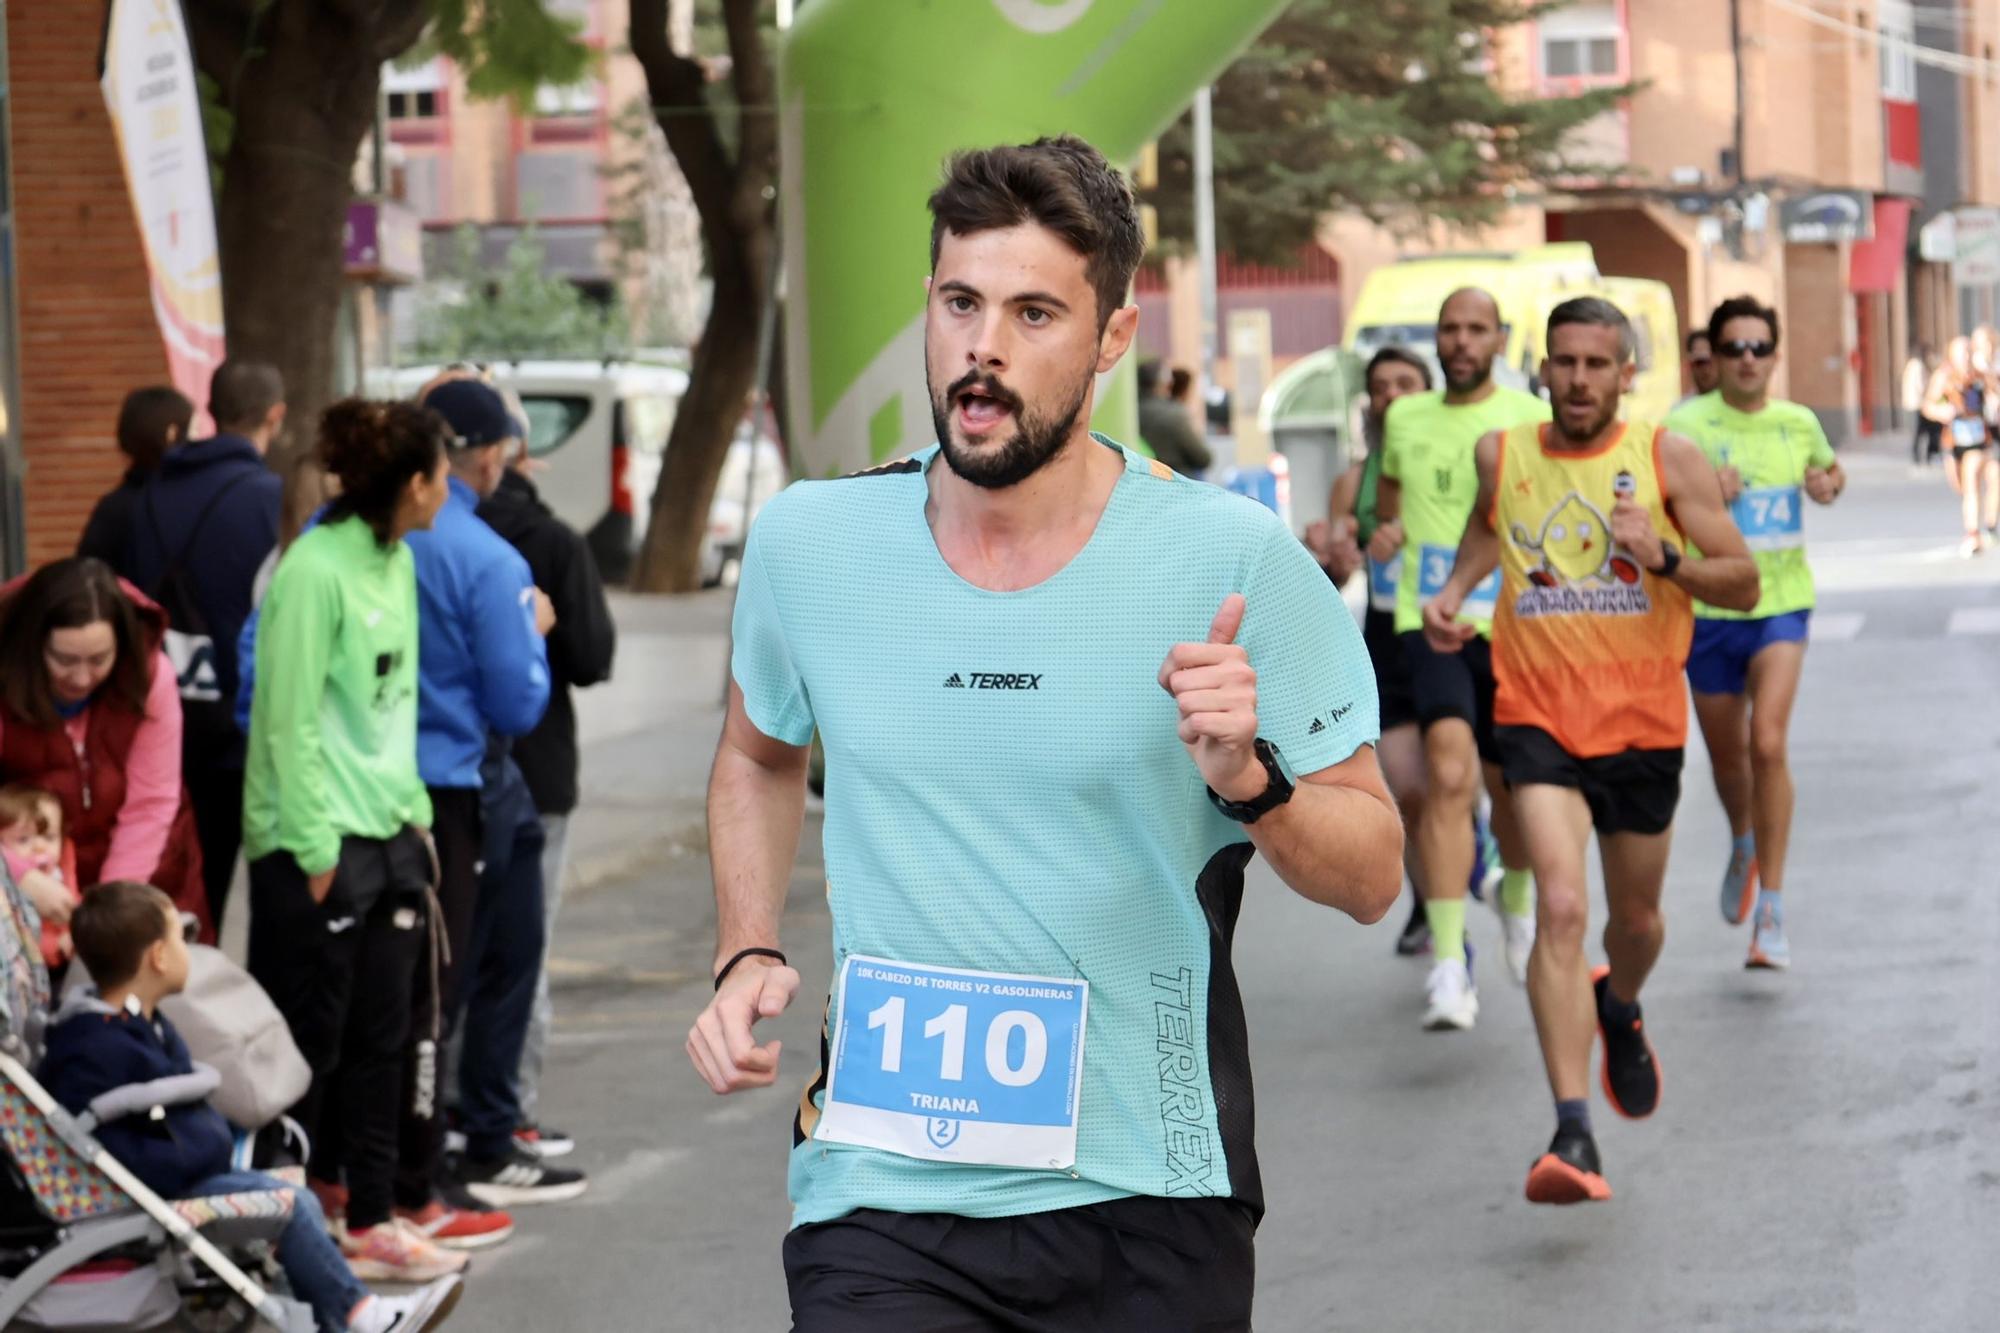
{"x":1006,"y":793}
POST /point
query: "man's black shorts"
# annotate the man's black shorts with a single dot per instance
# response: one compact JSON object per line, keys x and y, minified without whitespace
{"x":1392,"y":675}
{"x":1456,"y":685}
{"x":1634,"y":791}
{"x":1137,"y":1265}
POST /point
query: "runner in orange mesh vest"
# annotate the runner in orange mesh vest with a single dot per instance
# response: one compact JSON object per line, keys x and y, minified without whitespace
{"x":1589,"y":519}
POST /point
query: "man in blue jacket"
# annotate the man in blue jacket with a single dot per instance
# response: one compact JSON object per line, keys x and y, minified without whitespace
{"x":483,"y":672}
{"x":200,"y":529}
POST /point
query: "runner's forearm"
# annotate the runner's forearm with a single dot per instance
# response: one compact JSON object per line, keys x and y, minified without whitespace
{"x":754,"y":815}
{"x":1727,"y":581}
{"x":1339,"y":846}
{"x":1478,"y":555}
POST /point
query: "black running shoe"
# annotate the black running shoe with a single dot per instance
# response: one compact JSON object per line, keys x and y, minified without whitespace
{"x":1416,"y":936}
{"x":1569,"y":1172}
{"x":1631,"y":1069}
{"x":518,"y":1178}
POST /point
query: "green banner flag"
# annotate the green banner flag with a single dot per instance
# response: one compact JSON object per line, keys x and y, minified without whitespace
{"x":876,"y":94}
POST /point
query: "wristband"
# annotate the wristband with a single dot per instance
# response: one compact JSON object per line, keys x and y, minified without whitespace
{"x":748,"y":953}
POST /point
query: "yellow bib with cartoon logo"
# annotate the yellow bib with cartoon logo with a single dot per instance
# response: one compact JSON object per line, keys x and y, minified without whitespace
{"x":1586,"y":644}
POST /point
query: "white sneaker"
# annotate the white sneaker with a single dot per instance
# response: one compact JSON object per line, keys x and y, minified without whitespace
{"x":1517,"y":940}
{"x":1454,"y":1003}
{"x":418,"y":1312}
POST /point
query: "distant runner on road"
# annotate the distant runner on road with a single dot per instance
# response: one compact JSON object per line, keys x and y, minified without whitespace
{"x":1581,"y":517}
{"x":1744,"y":667}
{"x":1340,"y":544}
{"x":1065,"y":696}
{"x":1426,"y":492}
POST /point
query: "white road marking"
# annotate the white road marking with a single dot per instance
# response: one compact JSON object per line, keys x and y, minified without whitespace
{"x":1975,"y":620}
{"x":1836,"y":626}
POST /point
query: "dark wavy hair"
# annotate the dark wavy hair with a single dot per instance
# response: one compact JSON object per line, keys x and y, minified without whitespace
{"x":143,"y":422}
{"x":1061,"y":183}
{"x":375,"y":448}
{"x":1740,"y":307}
{"x":69,"y":594}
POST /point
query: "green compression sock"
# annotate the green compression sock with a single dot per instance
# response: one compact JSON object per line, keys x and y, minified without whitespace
{"x":1447,"y":920}
{"x":1517,"y":893}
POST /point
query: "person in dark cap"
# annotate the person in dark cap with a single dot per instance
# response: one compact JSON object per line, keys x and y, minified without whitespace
{"x":483,"y":675}
{"x":581,"y":648}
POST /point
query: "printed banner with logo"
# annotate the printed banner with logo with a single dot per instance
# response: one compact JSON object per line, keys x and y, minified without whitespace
{"x":149,"y":88}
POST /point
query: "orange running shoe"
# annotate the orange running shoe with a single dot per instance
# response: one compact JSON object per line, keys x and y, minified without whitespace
{"x":1569,"y":1171}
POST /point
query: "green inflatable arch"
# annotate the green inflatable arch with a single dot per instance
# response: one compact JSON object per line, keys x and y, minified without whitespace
{"x":876,"y":93}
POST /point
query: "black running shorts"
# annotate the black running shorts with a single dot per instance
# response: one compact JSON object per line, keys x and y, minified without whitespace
{"x":1456,"y":685}
{"x":1392,"y":674}
{"x":1127,"y":1266}
{"x":1634,"y":791}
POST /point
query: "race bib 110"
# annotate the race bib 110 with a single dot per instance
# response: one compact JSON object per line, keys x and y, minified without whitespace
{"x":950,"y":1065}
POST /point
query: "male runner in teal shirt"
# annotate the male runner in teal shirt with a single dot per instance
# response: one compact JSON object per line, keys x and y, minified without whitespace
{"x":1065,"y":696}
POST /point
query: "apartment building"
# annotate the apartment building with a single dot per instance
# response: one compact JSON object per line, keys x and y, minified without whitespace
{"x":1801,"y":150}
{"x":583,"y":164}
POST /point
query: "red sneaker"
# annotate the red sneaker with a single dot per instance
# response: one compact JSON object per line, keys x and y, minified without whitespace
{"x":332,"y":1202}
{"x":457,"y":1229}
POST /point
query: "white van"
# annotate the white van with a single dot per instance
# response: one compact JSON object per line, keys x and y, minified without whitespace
{"x":598,"y":431}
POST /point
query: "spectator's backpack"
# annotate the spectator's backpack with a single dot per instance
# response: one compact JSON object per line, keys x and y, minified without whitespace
{"x":189,"y":644}
{"x":229,"y":1022}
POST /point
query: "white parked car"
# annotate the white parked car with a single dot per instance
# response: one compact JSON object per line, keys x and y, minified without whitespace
{"x":599,"y":431}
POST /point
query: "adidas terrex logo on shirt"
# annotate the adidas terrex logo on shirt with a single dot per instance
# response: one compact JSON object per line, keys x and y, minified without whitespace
{"x":990,"y":680}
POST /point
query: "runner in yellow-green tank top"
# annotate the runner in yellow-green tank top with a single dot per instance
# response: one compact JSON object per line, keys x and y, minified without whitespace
{"x":1744,"y":667}
{"x":1426,"y":491}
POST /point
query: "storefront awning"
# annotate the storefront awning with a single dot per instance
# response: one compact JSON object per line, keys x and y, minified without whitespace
{"x":1878,"y":261}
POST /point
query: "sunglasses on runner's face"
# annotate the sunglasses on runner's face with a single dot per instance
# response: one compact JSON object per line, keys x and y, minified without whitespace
{"x":1736,"y":347}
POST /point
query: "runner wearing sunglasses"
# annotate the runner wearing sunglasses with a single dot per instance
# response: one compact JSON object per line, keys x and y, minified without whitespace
{"x":1744,"y":666}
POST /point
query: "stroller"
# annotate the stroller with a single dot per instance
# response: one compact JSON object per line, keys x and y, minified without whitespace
{"x":84,"y":1244}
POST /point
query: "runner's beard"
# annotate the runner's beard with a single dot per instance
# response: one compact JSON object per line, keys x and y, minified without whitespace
{"x":1482,"y":372}
{"x":1038,"y":436}
{"x":1597,"y":426}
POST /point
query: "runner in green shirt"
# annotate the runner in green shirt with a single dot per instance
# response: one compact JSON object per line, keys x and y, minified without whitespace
{"x":1339,"y":544}
{"x":1744,"y":667}
{"x":1423,"y":499}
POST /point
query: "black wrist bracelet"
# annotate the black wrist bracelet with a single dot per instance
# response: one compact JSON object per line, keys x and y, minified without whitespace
{"x":748,"y":953}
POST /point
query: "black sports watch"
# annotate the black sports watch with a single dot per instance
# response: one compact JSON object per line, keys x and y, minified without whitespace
{"x":1670,"y":560}
{"x":1276,"y":793}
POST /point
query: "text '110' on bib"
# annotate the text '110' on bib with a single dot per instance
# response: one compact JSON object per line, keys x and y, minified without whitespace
{"x":953,"y":1065}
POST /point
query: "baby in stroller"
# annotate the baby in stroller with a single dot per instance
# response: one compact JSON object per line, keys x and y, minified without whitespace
{"x":119,"y":1064}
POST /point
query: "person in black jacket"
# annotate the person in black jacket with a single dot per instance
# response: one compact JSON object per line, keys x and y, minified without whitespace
{"x":580,"y":651}
{"x":152,"y":421}
{"x":206,"y":521}
{"x":114,"y":1059}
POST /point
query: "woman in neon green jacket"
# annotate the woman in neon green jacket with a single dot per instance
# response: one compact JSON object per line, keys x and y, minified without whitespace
{"x":335,"y":815}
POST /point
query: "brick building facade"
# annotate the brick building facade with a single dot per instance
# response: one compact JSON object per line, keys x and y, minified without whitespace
{"x":87,"y":332}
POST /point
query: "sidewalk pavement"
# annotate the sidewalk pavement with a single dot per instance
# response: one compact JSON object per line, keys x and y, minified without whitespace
{"x":648,"y":736}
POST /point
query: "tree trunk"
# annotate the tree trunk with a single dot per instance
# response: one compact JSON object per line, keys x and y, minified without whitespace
{"x":301,"y":82}
{"x":719,"y":386}
{"x":735,"y":197}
